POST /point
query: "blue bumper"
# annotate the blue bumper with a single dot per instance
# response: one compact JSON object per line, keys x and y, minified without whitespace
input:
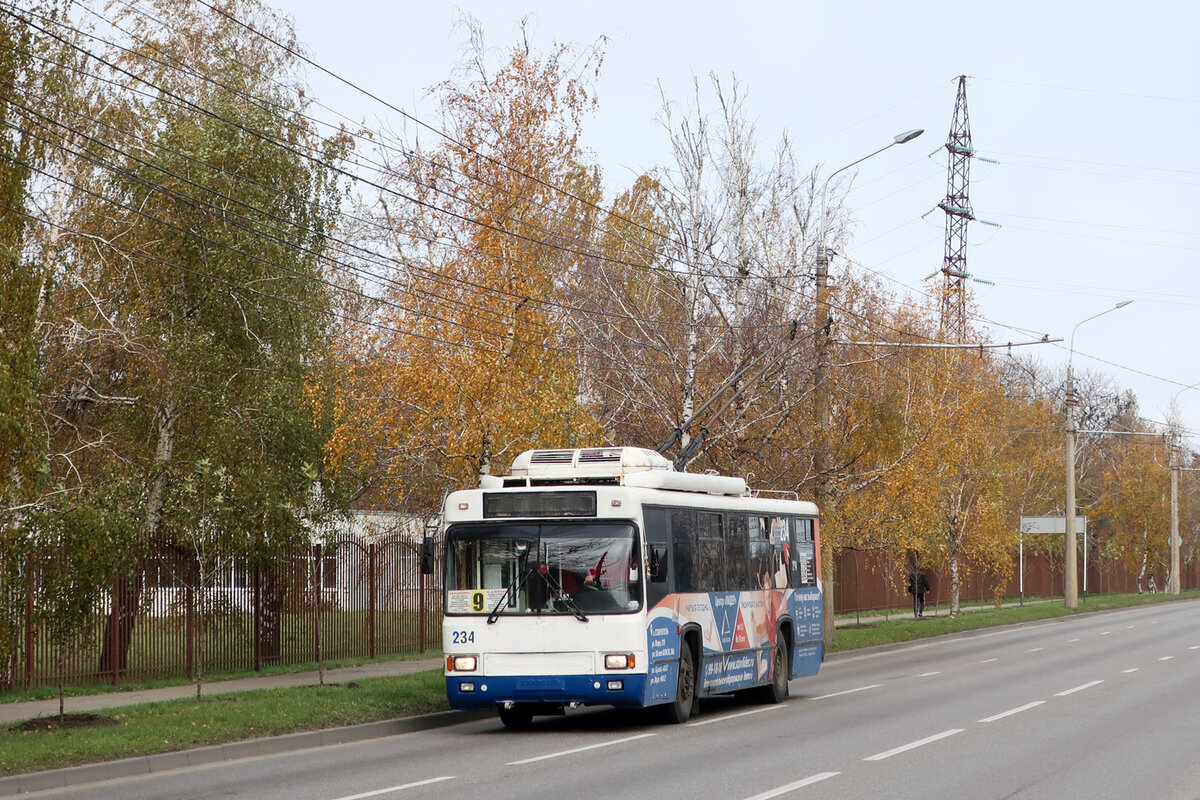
{"x":467,"y":692}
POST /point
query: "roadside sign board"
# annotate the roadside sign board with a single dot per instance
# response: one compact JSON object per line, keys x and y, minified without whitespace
{"x":1052,"y":524}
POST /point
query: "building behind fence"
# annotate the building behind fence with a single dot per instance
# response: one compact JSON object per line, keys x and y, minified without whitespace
{"x":363,"y":595}
{"x":360,"y":595}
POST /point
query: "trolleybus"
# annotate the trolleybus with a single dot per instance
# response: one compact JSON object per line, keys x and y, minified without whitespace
{"x":602,"y":576}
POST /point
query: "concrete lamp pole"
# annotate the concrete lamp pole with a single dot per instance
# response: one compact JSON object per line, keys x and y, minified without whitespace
{"x":820,"y":395}
{"x":1070,"y":569}
{"x":1173,"y":585}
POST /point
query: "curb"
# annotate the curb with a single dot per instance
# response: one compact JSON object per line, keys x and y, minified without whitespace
{"x":249,"y":748}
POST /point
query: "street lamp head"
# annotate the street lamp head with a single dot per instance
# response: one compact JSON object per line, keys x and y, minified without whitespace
{"x":1122,"y":304}
{"x":907,"y":136}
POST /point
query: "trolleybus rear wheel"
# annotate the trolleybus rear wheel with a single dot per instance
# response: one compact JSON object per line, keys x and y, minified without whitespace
{"x":777,"y":689}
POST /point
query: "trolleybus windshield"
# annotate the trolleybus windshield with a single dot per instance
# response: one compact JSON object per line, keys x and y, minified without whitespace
{"x":496,"y":569}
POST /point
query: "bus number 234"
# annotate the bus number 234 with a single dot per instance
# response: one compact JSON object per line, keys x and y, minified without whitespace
{"x":462,"y":637}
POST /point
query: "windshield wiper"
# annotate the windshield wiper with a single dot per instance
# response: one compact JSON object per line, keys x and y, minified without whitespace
{"x":561,"y":595}
{"x":524,"y":574}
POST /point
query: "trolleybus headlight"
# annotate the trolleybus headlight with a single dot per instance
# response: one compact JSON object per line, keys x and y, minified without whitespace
{"x":618,"y":661}
{"x":461,"y":663}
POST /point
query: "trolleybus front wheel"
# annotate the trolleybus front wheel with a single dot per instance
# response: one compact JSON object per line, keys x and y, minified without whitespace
{"x":517,"y":716}
{"x":680,"y":709}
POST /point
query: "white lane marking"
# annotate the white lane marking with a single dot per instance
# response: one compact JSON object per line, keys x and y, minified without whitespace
{"x":733,"y":716}
{"x":1105,"y":633}
{"x":1036,"y":649}
{"x":849,"y":691}
{"x":1166,"y":658}
{"x":1072,"y":641}
{"x":904,"y":748}
{"x":1079,"y":688}
{"x":1127,"y":671}
{"x":1194,"y":647}
{"x":401,"y":788}
{"x":988,"y":660}
{"x":928,"y":674}
{"x":1012,"y":711}
{"x":1153,"y":622}
{"x":580,"y":749}
{"x":810,"y":780}
{"x":1127,"y":627}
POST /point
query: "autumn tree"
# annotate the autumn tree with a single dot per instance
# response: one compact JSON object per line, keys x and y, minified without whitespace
{"x":30,"y":84}
{"x":691,"y":321}
{"x":465,"y":364}
{"x":194,"y":298}
{"x":1130,"y":490}
{"x":941,"y":449}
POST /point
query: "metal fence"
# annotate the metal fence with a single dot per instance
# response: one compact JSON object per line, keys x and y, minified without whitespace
{"x":356,"y":598}
{"x":348,"y":599}
{"x":876,"y":581}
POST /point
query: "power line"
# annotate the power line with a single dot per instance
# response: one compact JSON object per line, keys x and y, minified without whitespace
{"x":1084,"y":90}
{"x":187,"y":104}
{"x":421,"y":123}
{"x":1096,"y":163}
{"x":332,"y":167}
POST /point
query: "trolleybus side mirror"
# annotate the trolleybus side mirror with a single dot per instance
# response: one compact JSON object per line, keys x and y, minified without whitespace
{"x":658,"y":564}
{"x":427,"y":555}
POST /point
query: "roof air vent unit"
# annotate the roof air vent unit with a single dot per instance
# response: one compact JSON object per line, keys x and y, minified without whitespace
{"x":591,"y":461}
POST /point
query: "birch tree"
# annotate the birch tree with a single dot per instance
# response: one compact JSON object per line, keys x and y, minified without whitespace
{"x":691,"y":337}
{"x":194,"y":300}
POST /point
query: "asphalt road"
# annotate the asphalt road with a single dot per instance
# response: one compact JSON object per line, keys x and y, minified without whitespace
{"x":1097,"y":706}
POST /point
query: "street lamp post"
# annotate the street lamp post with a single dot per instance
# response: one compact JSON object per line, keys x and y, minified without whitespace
{"x":820,"y":396}
{"x":1070,"y":570}
{"x":899,"y":138}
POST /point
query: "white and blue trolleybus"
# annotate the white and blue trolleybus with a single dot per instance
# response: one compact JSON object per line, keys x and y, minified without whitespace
{"x":602,"y":576}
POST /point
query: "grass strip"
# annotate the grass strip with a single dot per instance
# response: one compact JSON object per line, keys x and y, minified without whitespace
{"x":900,"y":627}
{"x":218,"y":719}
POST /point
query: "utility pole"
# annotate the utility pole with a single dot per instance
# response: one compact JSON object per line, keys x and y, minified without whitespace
{"x":1070,"y":573}
{"x":823,"y":334}
{"x":1173,"y":463}
{"x":822,"y":341}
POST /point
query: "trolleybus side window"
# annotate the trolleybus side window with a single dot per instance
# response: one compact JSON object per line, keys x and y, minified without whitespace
{"x":781,"y":539}
{"x":710,"y":572}
{"x":804,"y":561}
{"x":683,"y":540}
{"x":736,"y":552}
{"x":761,"y":576}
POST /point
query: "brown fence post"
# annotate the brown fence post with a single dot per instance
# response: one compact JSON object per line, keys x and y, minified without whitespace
{"x":114,"y":661}
{"x":189,"y":630}
{"x":257,"y":621}
{"x":318,"y":581}
{"x":28,"y":631}
{"x":421,"y":621}
{"x":371,"y":599}
{"x":857,"y":598}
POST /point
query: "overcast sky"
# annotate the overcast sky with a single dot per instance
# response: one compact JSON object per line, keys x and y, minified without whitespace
{"x":1091,"y":109}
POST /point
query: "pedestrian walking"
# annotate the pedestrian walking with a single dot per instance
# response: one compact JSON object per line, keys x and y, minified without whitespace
{"x":918,"y":586}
